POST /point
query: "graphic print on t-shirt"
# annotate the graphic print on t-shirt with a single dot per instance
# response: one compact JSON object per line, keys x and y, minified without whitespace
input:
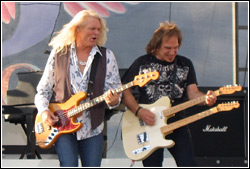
{"x":163,"y":86}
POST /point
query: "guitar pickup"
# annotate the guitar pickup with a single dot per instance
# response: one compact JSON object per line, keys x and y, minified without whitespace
{"x":141,"y":138}
{"x":142,"y":123}
{"x":39,"y":128}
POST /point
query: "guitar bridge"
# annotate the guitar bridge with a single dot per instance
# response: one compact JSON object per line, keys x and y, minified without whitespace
{"x":141,"y":138}
{"x":140,"y":150}
{"x":39,"y":128}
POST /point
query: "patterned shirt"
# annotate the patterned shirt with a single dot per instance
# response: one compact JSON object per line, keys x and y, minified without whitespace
{"x":79,"y":82}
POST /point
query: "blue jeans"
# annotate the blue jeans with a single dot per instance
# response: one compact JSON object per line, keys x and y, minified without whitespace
{"x":90,"y":150}
{"x":182,"y":151}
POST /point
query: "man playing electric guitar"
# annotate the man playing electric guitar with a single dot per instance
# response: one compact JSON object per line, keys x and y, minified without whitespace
{"x":177,"y":81}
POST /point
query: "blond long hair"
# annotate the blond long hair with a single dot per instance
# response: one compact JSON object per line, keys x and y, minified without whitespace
{"x":67,"y":35}
{"x":167,"y":30}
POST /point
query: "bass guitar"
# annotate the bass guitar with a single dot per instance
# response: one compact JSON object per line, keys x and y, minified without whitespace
{"x":140,"y":140}
{"x":68,"y":112}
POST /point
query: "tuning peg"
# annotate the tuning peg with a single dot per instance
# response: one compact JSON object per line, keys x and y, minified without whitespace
{"x":144,"y":71}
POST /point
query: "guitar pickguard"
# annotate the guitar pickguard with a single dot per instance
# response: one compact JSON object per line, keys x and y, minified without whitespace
{"x":64,"y":123}
{"x":140,"y":140}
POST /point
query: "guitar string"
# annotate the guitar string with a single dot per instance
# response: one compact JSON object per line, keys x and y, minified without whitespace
{"x":65,"y":114}
{"x":92,"y":102}
{"x":126,"y":86}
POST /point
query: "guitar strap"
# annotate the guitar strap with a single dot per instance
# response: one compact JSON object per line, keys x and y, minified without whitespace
{"x":174,"y":80}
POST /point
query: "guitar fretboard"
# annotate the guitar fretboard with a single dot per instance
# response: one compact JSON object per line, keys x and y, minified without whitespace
{"x":185,"y":105}
{"x":175,"y":125}
{"x":95,"y":101}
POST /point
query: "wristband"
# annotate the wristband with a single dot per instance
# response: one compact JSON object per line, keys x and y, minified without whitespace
{"x":136,"y":113}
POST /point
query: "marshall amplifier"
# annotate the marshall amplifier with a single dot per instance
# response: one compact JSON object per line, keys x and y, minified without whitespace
{"x":221,"y":139}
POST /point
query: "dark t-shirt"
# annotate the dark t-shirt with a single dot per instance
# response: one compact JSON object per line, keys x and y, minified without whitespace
{"x":155,"y":89}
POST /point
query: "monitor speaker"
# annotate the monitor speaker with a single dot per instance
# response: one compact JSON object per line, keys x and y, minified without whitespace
{"x":224,"y":134}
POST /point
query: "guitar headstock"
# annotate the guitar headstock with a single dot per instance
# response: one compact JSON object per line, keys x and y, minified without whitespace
{"x":228,"y":106}
{"x":143,"y":79}
{"x":229,"y":89}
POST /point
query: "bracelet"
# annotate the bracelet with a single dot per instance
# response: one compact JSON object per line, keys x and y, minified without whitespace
{"x":136,"y":113}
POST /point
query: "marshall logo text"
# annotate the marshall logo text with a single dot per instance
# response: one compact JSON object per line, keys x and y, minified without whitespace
{"x":215,"y":129}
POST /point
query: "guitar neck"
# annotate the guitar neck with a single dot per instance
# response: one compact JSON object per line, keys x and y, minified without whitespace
{"x":171,"y":111}
{"x":96,"y":101}
{"x":175,"y":125}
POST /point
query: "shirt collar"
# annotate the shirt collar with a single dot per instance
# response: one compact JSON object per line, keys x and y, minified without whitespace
{"x":96,"y":49}
{"x":93,"y":50}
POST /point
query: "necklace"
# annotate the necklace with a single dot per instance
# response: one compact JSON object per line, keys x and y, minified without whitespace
{"x":82,"y":63}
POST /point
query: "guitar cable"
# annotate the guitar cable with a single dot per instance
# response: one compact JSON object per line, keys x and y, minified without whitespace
{"x":116,"y":132}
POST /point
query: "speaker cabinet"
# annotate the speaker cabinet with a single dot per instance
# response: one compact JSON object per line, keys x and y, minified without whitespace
{"x":221,"y":139}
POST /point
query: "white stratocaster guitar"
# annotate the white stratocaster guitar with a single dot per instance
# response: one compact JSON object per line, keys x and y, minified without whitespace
{"x":70,"y":110}
{"x":140,"y":140}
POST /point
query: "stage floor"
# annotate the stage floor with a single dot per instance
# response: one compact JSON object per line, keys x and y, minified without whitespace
{"x":52,"y":161}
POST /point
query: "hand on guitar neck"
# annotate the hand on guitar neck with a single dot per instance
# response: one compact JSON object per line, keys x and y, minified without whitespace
{"x":193,"y":92}
{"x":149,"y":117}
{"x":211,"y":98}
{"x":111,"y":97}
